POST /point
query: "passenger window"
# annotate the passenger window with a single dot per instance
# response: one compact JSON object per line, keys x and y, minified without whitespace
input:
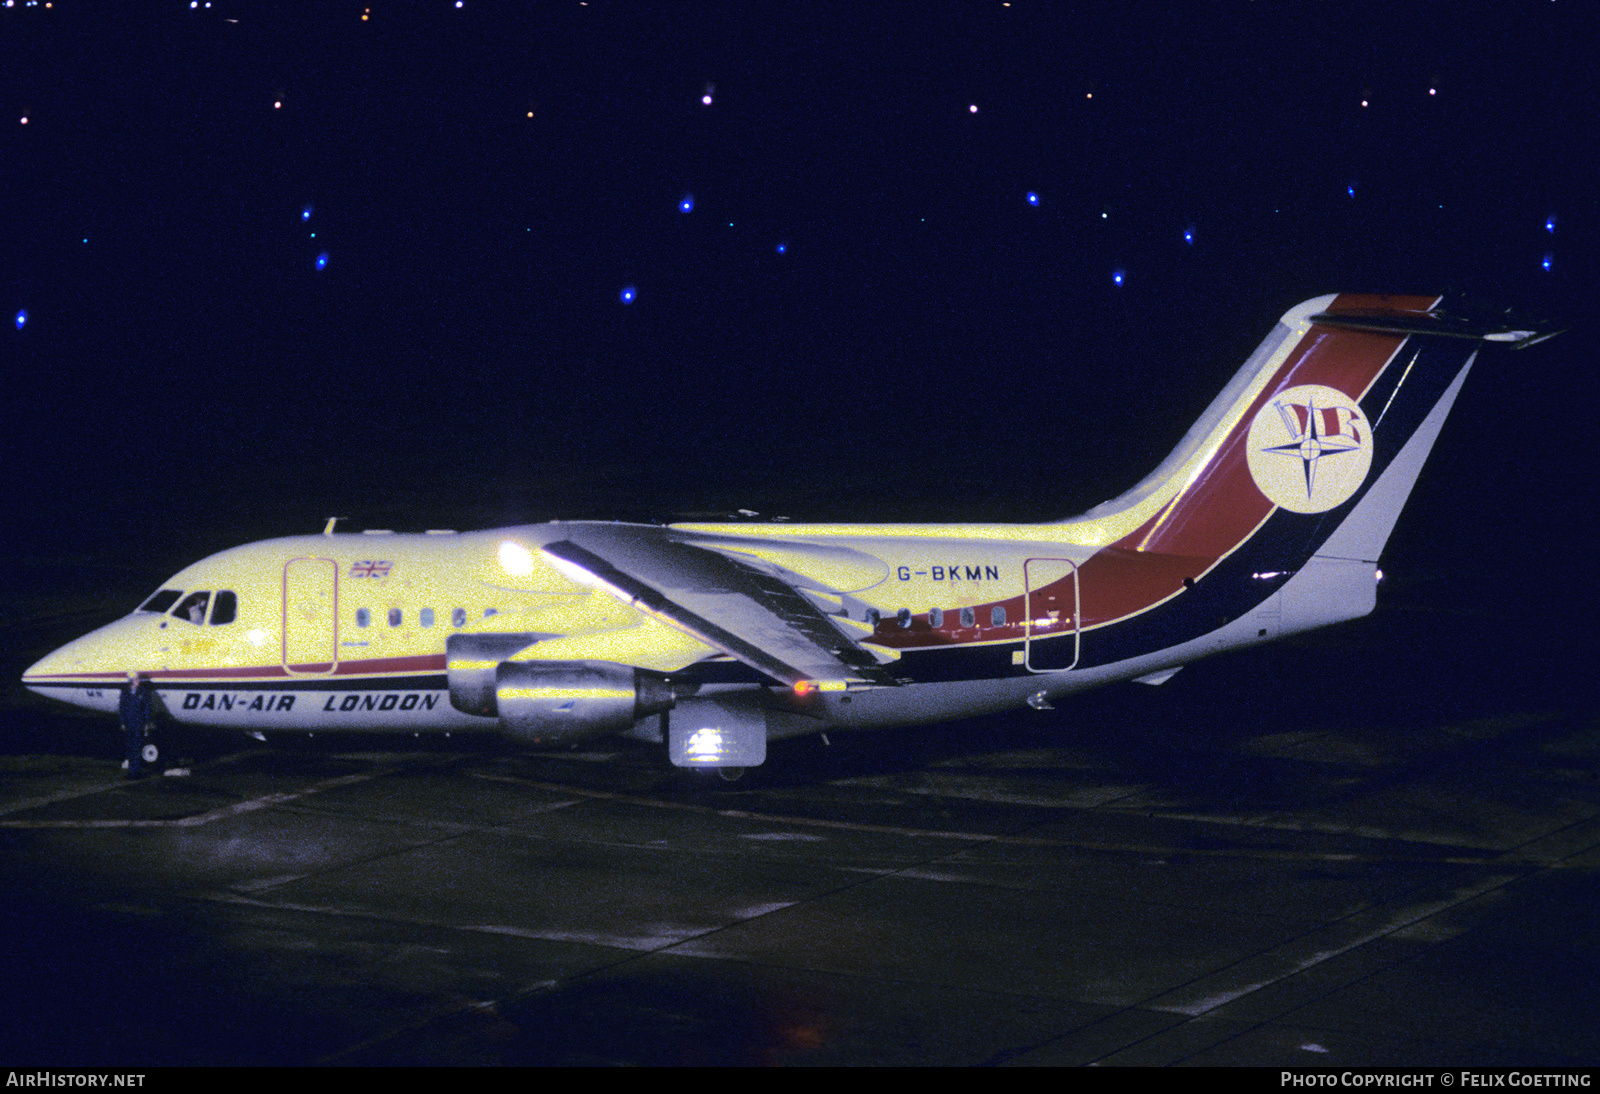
{"x":935,"y":618}
{"x":997,"y":616}
{"x":394,"y":617}
{"x":903,"y":617}
{"x":425,"y":617}
{"x":193,"y":607}
{"x":161,"y":601}
{"x":363,"y":617}
{"x":226,"y":609}
{"x":969,"y":618}
{"x":458,"y":617}
{"x":873,"y":617}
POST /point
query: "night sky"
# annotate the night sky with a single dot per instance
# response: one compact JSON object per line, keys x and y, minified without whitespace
{"x":424,"y":264}
{"x":437,"y":265}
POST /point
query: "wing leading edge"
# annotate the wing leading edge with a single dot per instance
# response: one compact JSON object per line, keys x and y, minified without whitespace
{"x":755,"y":617}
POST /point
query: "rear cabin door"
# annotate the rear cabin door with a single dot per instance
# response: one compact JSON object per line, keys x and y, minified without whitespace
{"x":1052,"y":613}
{"x":311,"y":615}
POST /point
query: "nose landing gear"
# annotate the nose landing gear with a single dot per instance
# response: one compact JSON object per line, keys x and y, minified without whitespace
{"x":159,"y":754}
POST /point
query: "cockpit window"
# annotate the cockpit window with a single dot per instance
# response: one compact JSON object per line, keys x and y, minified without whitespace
{"x":161,"y":601}
{"x":193,"y":607}
{"x":226,"y":609}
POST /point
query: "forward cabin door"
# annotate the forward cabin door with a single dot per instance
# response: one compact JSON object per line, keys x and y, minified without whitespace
{"x":311,"y":615}
{"x":1051,"y":603}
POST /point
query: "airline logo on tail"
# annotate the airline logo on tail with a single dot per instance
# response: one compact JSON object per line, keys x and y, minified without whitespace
{"x":1309,"y":448}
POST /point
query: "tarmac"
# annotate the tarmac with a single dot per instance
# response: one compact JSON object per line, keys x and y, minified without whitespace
{"x":1308,"y":855}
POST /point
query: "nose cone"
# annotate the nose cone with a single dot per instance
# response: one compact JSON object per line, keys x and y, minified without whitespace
{"x":48,"y":666}
{"x":97,"y":661}
{"x":67,"y":662}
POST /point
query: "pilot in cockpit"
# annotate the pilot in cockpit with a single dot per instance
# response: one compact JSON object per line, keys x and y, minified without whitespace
{"x":194,"y":608}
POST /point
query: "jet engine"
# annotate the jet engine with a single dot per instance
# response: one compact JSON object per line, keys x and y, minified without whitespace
{"x":471,"y":661}
{"x":566,"y":702}
{"x":561,"y":703}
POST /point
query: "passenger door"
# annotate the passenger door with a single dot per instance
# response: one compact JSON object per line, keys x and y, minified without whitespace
{"x":311,"y":616}
{"x":1051,"y":603}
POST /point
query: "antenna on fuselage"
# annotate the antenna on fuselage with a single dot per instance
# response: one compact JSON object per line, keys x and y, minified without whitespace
{"x":328,"y":531}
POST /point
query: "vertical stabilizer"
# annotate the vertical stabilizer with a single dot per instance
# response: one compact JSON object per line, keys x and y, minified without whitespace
{"x":1362,"y":534}
{"x":1303,"y":463}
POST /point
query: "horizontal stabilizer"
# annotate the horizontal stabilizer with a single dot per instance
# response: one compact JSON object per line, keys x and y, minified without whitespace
{"x":1460,"y":321}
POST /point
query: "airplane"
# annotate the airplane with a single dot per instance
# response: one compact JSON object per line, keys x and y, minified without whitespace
{"x":713,"y":639}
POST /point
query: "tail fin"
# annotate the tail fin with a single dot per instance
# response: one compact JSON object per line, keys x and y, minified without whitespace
{"x":1439,"y":349}
{"x":1310,"y":452}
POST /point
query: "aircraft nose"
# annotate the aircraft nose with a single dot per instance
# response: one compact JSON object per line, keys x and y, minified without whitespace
{"x":77,"y":674}
{"x":52,"y":664}
{"x":100,"y":657}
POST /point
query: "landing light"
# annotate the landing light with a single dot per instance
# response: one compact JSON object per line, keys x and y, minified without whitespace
{"x":706,"y":744}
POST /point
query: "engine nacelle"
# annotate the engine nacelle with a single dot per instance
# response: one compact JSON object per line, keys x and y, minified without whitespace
{"x":471,"y":662}
{"x":565,"y":702}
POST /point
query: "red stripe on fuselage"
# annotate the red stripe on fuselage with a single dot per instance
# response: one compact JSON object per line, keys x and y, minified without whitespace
{"x":374,"y":666}
{"x":1210,"y":519}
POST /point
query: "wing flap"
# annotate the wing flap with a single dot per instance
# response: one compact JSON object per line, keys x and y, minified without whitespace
{"x":746,"y":613}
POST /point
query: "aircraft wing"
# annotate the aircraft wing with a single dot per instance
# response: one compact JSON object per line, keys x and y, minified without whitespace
{"x":756,"y":617}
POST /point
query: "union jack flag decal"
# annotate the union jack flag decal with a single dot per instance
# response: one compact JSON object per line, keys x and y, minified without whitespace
{"x":370,"y":569}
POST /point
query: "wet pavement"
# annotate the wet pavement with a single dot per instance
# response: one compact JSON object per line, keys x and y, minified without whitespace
{"x":1235,"y":868}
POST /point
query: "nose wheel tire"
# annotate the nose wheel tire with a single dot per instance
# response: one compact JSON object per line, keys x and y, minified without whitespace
{"x":160,"y":748}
